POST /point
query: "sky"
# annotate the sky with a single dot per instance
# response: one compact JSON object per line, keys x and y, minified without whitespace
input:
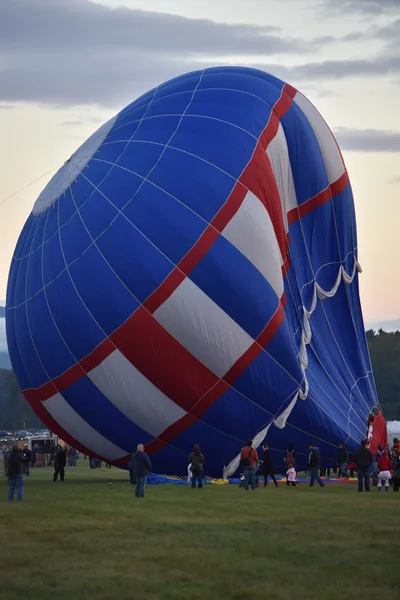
{"x":68,"y":66}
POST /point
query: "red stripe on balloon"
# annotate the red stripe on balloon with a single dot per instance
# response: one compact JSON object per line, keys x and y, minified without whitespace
{"x":215,"y":392}
{"x":319,"y":200}
{"x":141,"y":339}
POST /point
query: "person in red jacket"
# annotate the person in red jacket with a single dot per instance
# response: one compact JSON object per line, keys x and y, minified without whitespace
{"x":248,"y":462}
{"x":384,"y":466}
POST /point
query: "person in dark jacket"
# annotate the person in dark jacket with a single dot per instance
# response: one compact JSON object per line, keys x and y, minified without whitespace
{"x":27,"y":459}
{"x":268,"y":467}
{"x":142,"y":468}
{"x":314,"y":463}
{"x":15,"y":473}
{"x":60,"y":461}
{"x":342,"y":460}
{"x":363,"y":459}
{"x":196,"y":460}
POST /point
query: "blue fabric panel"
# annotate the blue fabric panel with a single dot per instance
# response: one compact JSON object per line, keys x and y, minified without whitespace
{"x":99,"y":286}
{"x":166,"y":222}
{"x":322,"y":246}
{"x":221,"y":448}
{"x":143,"y":267}
{"x":197,"y":184}
{"x":66,"y":208}
{"x":97,"y":214}
{"x":38,"y":233}
{"x":347,"y":237}
{"x":53,"y":260}
{"x":302,"y":273}
{"x":82,"y":190}
{"x":120,"y":186}
{"x":75,"y":239}
{"x":267,"y":384}
{"x":73,"y":312}
{"x":220,"y":144}
{"x":157,"y":130}
{"x":307,"y":163}
{"x":140,"y":158}
{"x":264,"y":86}
{"x":230,"y":279}
{"x":34,"y":281}
{"x":174,"y":104}
{"x":245,"y":417}
{"x":51,"y":350}
{"x":242,"y":110}
{"x":87,"y":400}
{"x":31,"y":373}
{"x":52,"y":222}
{"x":17,"y":295}
{"x":172,"y":461}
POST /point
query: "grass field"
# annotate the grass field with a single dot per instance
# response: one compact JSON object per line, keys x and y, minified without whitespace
{"x":85,"y":539}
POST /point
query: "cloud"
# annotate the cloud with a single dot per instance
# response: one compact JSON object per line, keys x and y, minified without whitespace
{"x":81,"y":25}
{"x":368,"y":140}
{"x":363,"y":7}
{"x":71,"y":123}
{"x":79,"y":52}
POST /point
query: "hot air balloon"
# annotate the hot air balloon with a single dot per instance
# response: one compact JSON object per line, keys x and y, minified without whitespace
{"x":190,"y":275}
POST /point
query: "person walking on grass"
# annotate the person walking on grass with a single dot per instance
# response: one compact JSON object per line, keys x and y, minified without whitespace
{"x":248,"y":461}
{"x":142,"y":468}
{"x":60,"y":461}
{"x":384,"y":466}
{"x":268,"y":467}
{"x":196,"y":460}
{"x":314,"y":463}
{"x":291,"y":475}
{"x":363,"y":460}
{"x":15,"y":474}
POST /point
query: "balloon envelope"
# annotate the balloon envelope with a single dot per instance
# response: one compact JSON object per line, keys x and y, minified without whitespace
{"x":190,"y":275}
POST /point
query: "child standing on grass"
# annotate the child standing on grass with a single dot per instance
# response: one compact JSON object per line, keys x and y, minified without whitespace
{"x":384,"y":466}
{"x":291,"y":476}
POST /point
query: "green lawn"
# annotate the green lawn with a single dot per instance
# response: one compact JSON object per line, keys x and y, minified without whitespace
{"x":85,"y":539}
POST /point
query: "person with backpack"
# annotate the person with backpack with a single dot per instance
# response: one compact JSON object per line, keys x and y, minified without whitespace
{"x":196,"y":461}
{"x":314,"y":463}
{"x":268,"y":467}
{"x":248,"y":462}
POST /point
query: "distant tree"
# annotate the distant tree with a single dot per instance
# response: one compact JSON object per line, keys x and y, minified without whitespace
{"x":384,"y":349}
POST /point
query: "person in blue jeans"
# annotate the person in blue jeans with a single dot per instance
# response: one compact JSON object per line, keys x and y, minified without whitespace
{"x":363,"y":459}
{"x":142,"y":468}
{"x":248,"y":461}
{"x":15,"y":474}
{"x":314,"y":463}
